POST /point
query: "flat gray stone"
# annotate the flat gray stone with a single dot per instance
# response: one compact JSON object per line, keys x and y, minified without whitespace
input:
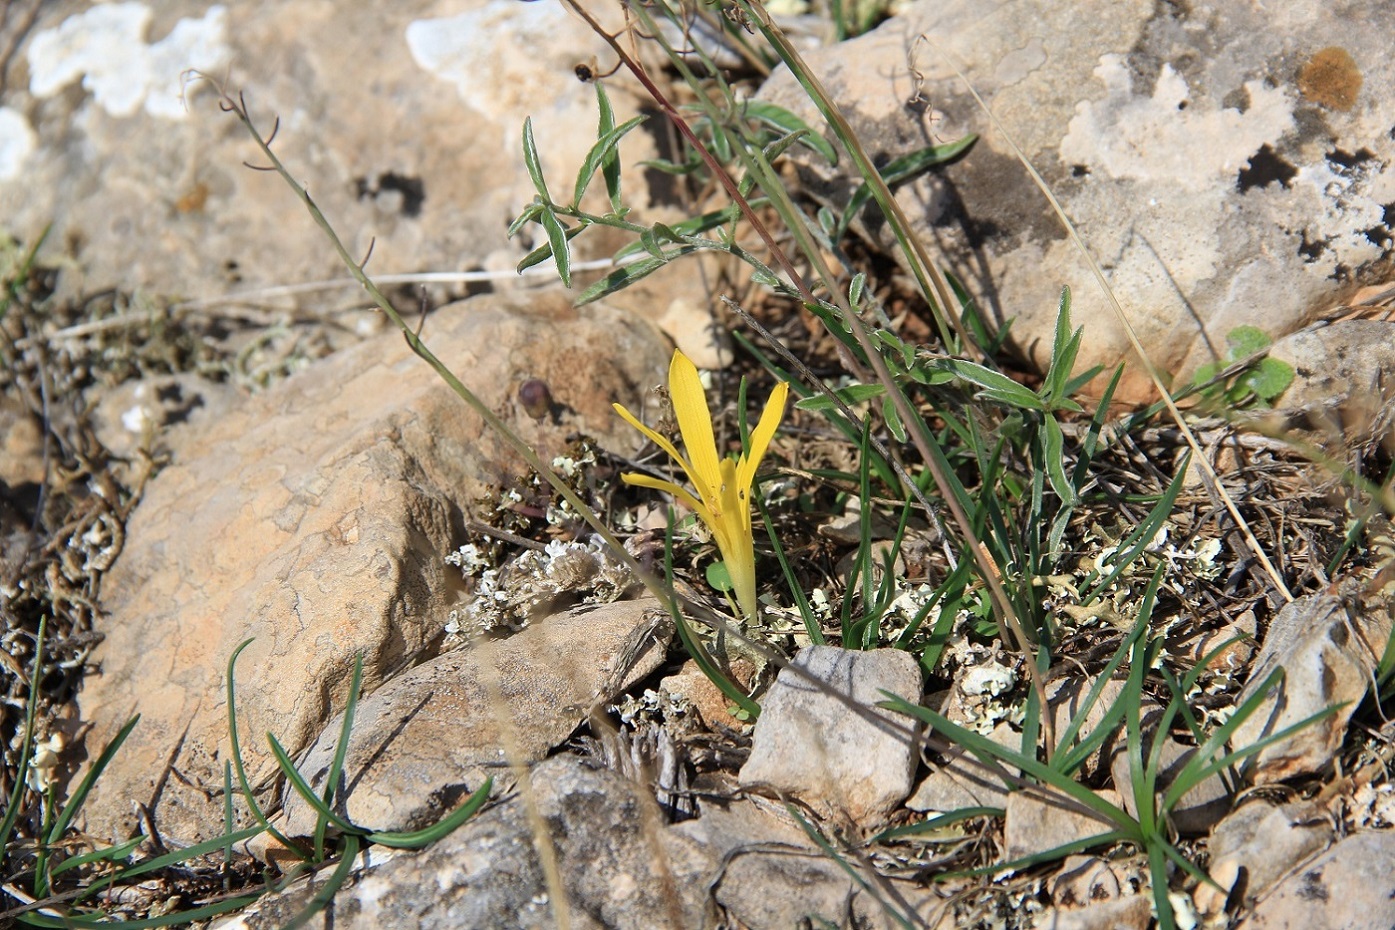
{"x":404,"y":121}
{"x":1034,"y":824}
{"x":1263,"y":842}
{"x":429,"y":737}
{"x":811,"y":745}
{"x":1327,"y":654}
{"x":1351,"y":886}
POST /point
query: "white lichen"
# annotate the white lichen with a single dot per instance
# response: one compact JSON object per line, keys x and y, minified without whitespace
{"x":535,"y":584}
{"x":105,"y":47}
{"x":17,"y":141}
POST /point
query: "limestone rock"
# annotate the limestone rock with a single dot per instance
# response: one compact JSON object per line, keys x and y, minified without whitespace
{"x":616,"y":865}
{"x":1033,"y":824}
{"x":814,"y":746}
{"x":773,"y":877}
{"x":1226,"y":164}
{"x":1262,"y":842}
{"x":1132,"y":913}
{"x":405,"y":121}
{"x":1328,"y":654}
{"x":429,"y":737}
{"x":1341,"y":376}
{"x":1351,"y":886}
{"x":315,"y":517}
{"x":620,"y":868}
{"x":957,"y":785}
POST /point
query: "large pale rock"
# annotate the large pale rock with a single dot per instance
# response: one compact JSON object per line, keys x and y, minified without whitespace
{"x":830,"y":746}
{"x":1227,"y":164}
{"x":1351,"y":886}
{"x":314,"y":517}
{"x":403,"y":119}
{"x":1328,"y":654}
{"x":432,"y":735}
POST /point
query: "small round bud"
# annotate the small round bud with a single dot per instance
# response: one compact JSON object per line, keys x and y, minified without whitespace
{"x":535,"y":397}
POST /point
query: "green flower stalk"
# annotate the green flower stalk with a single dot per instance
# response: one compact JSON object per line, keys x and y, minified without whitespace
{"x":723,"y":485}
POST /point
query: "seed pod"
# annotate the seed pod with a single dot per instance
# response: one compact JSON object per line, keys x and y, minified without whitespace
{"x":535,"y":397}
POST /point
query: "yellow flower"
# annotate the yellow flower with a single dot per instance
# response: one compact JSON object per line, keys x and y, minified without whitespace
{"x":723,"y":498}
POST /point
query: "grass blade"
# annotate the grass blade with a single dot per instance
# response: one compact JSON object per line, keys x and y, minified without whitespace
{"x":418,"y":838}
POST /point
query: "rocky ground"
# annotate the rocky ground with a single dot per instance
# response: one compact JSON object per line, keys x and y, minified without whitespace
{"x":208,"y":438}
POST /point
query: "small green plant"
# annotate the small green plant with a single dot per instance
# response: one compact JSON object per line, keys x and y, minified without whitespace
{"x":1246,"y":376}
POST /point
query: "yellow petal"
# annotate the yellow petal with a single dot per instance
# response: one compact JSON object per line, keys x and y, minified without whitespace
{"x":765,"y":431}
{"x":659,"y":440}
{"x":678,"y":491}
{"x":694,"y":422}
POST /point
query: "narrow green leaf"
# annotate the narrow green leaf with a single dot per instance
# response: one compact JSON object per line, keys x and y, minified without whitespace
{"x":176,"y":919}
{"x":623,"y":277}
{"x":990,"y":752}
{"x":178,"y":856}
{"x":326,"y":892}
{"x":557,"y":238}
{"x":997,"y":385}
{"x":302,"y":787}
{"x":893,"y":420}
{"x":529,"y":214}
{"x":79,"y":797}
{"x":785,"y":121}
{"x":114,"y":854}
{"x":1053,"y":451}
{"x":901,"y":170}
{"x":543,"y":252}
{"x":238,"y":766}
{"x":531,"y":161}
{"x":341,"y":750}
{"x":416,"y":839}
{"x":1062,"y":356}
{"x":850,"y":395}
{"x":610,"y":166}
{"x":602,"y":155}
{"x":806,"y":613}
{"x":1132,"y":547}
{"x":855,"y":289}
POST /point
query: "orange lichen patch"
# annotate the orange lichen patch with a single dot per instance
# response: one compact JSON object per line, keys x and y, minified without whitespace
{"x":194,"y":200}
{"x":1330,"y":78}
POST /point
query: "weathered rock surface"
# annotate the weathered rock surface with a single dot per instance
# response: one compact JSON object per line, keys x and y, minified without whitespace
{"x":1327,"y":653}
{"x":1342,"y":377}
{"x":812,"y":745}
{"x":1227,"y":164}
{"x":404,"y":120}
{"x":430,"y":736}
{"x":1351,"y":886}
{"x":620,"y":868}
{"x":1259,"y":843}
{"x":1033,"y":824}
{"x":1134,"y":912}
{"x":314,"y":517}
